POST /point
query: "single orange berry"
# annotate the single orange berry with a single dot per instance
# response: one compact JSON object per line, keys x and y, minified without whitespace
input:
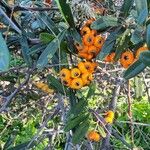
{"x":66,"y":82}
{"x":99,"y":41}
{"x":39,"y":84}
{"x":94,"y":32}
{"x":110,"y":114}
{"x":88,"y":65}
{"x":82,"y":67}
{"x":94,"y":65}
{"x":90,"y":56}
{"x":83,"y":55}
{"x":93,"y":50}
{"x":75,"y":73}
{"x":107,"y":58}
{"x":76,"y":83}
{"x":85,"y":30}
{"x":127,"y":58}
{"x":89,"y":22}
{"x":88,"y":39}
{"x":109,"y":120}
{"x":86,"y":78}
{"x":93,"y":136}
{"x":65,"y":73}
{"x":140,"y":50}
{"x":79,"y":46}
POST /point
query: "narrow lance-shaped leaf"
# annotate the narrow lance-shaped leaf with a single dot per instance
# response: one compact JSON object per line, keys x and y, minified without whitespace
{"x":123,"y":43}
{"x":104,"y":22}
{"x":148,"y":36}
{"x":134,"y":69}
{"x":125,"y":10}
{"x":109,"y":43}
{"x":145,"y":57}
{"x":142,"y":16}
{"x":4,"y":55}
{"x":141,"y":5}
{"x":25,"y":50}
{"x":46,"y":37}
{"x":50,"y":50}
{"x":66,"y":12}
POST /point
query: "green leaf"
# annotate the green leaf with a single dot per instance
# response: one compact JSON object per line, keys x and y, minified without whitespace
{"x":148,"y":36}
{"x":50,"y":50}
{"x":122,"y":43}
{"x":102,"y":131}
{"x":55,"y":84}
{"x":4,"y":55}
{"x":22,"y":146}
{"x":80,"y":132}
{"x":134,"y":69}
{"x":126,"y":7}
{"x":109,"y":43}
{"x":145,"y":58}
{"x":138,"y":87}
{"x":136,"y":36}
{"x":75,"y":122}
{"x":48,"y":23}
{"x":91,"y":91}
{"x":79,"y":107}
{"x":66,"y":12}
{"x":46,"y":37}
{"x":104,"y":22}
{"x":142,"y":16}
{"x":75,"y":35}
{"x":141,"y":5}
{"x":25,"y":49}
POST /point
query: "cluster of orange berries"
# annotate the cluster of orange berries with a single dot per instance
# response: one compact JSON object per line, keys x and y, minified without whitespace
{"x":44,"y":87}
{"x":79,"y":76}
{"x":127,"y":57}
{"x":94,"y":135}
{"x":91,"y":42}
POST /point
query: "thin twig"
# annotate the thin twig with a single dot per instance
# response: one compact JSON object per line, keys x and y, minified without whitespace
{"x":130,"y":112}
{"x":10,"y":21}
{"x":9,"y":98}
{"x":112,"y":106}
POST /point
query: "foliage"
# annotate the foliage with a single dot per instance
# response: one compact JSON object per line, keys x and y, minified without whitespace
{"x":38,"y":39}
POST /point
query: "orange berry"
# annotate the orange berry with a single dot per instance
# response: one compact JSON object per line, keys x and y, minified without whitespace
{"x":93,"y":136}
{"x":110,"y":114}
{"x":86,"y":78}
{"x":99,"y":41}
{"x":75,"y":73}
{"x":65,"y":73}
{"x":107,"y":58}
{"x":88,"y":39}
{"x":39,"y":84}
{"x":83,"y":55}
{"x":127,"y":58}
{"x":82,"y":67}
{"x":88,"y":65}
{"x":109,"y":120}
{"x":110,"y":57}
{"x":94,"y":32}
{"x":85,"y":30}
{"x":93,"y":50}
{"x":140,"y":50}
{"x":89,"y":22}
{"x":79,"y":47}
{"x":89,"y":57}
{"x":66,"y":82}
{"x":76,"y":83}
{"x":94,"y":65}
